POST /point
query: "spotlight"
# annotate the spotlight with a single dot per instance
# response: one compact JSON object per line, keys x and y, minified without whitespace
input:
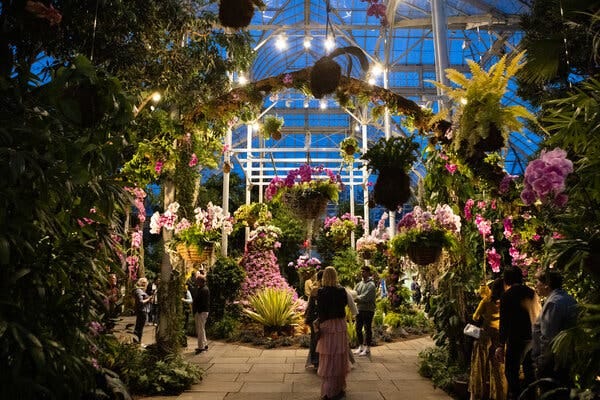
{"x":281,"y":42}
{"x":307,"y":42}
{"x":329,"y":43}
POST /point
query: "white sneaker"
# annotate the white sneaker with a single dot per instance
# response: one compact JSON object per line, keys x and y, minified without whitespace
{"x":366,"y":351}
{"x":359,"y":350}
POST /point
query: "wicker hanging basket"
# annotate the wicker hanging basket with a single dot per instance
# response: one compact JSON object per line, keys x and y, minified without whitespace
{"x":194,"y":253}
{"x":424,"y":255}
{"x":306,"y":206}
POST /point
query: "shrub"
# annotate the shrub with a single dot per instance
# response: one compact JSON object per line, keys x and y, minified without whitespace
{"x":273,"y":308}
{"x":224,"y":280}
{"x":226,"y":328}
{"x":436,"y":364}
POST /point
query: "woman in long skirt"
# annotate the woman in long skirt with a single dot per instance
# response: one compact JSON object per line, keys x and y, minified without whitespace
{"x":333,"y":349}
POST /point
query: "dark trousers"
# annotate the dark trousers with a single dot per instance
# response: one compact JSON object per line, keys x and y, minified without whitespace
{"x":518,"y":352}
{"x":140,"y":321}
{"x":313,"y":356}
{"x":364,"y":319}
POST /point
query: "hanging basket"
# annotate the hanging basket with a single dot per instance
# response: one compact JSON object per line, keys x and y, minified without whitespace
{"x":424,"y":255}
{"x":194,"y":253}
{"x":392,"y":188}
{"x":306,"y":205}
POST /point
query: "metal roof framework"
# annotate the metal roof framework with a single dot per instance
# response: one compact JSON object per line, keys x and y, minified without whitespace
{"x":423,"y":38}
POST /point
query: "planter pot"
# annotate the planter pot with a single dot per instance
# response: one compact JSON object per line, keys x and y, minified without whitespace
{"x":424,"y":255}
{"x":392,"y":188}
{"x":235,"y":13}
{"x":307,"y":205}
{"x":460,"y":388}
{"x":350,"y":150}
{"x":325,"y":77}
{"x":194,"y":253}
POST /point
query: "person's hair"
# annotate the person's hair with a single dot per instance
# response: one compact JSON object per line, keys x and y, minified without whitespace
{"x":365,"y":268}
{"x":142,"y":282}
{"x":329,"y":277}
{"x":551,"y":278}
{"x":201,"y":278}
{"x":319,"y":275}
{"x":512,"y":276}
{"x":497,"y":288}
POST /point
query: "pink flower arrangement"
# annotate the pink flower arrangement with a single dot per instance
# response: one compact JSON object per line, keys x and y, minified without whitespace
{"x":545,"y":178}
{"x":341,"y":227}
{"x":262,"y":271}
{"x":307,"y":179}
{"x":306,"y":263}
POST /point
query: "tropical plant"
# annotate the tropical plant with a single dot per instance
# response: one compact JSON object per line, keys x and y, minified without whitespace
{"x":209,"y":225}
{"x":272,"y":127}
{"x":481,"y":122}
{"x":424,"y":228}
{"x":273,"y":308}
{"x":347,"y":266}
{"x":340,"y":228}
{"x":224,"y":279}
{"x":348,"y":148}
{"x":306,"y":190}
{"x":252,"y":214}
{"x":392,"y":158}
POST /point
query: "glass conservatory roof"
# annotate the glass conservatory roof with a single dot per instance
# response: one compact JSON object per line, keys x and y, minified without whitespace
{"x":290,"y":35}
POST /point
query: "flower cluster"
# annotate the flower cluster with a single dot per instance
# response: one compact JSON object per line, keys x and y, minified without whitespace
{"x":264,"y":237}
{"x":368,"y":244}
{"x":426,"y":228}
{"x":207,"y":227}
{"x":306,"y":264}
{"x":545,"y":178}
{"x":378,"y":10}
{"x":339,"y":228}
{"x":307,"y":178}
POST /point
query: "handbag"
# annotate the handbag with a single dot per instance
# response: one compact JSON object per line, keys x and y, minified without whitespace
{"x":472,"y":331}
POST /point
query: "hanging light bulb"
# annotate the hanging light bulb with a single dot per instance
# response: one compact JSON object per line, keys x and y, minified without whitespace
{"x":307,"y":42}
{"x":372,"y":81}
{"x":323,"y":104}
{"x":357,"y":128}
{"x":281,"y":42}
{"x":242,"y":80}
{"x":306,"y":103}
{"x":376,"y":69}
{"x":329,"y":43}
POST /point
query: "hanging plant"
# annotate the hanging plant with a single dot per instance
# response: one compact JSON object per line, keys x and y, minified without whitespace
{"x":272,"y":127}
{"x":349,"y":147}
{"x":326,"y":74}
{"x":238,"y":13}
{"x":392,"y":158}
{"x":481,"y":123}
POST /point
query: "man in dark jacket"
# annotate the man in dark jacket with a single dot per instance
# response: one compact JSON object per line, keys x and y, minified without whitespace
{"x":200,"y":306}
{"x":519,"y":305}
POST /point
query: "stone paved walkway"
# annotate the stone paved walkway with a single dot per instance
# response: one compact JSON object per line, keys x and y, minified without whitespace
{"x":234,"y":372}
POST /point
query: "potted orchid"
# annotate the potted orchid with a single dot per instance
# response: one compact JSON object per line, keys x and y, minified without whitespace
{"x":190,"y":237}
{"x":264,"y":237}
{"x":340,"y":228}
{"x":423,"y":233}
{"x":305,"y":265}
{"x":306,"y":190}
{"x":367,"y":245}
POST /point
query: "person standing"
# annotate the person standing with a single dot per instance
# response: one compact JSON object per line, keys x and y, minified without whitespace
{"x":310,"y":315}
{"x":485,"y":367}
{"x":558,"y":313}
{"x":334,"y":359}
{"x":200,"y":307}
{"x":366,"y":295}
{"x":141,"y":307}
{"x":416,"y":291}
{"x":519,"y":307}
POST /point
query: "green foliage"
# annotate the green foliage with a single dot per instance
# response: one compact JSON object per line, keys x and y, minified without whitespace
{"x":437,"y":364}
{"x":52,"y":269}
{"x":273,"y":308}
{"x":144,"y":372}
{"x":271,"y":126}
{"x":478,"y":101}
{"x":347,"y":266}
{"x":225,"y":328}
{"x":252,"y":214}
{"x":348,"y":148}
{"x":416,"y":238}
{"x":224,"y":279}
{"x":396,"y":152}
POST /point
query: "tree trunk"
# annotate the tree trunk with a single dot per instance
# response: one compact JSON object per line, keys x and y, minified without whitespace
{"x":167,"y":335}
